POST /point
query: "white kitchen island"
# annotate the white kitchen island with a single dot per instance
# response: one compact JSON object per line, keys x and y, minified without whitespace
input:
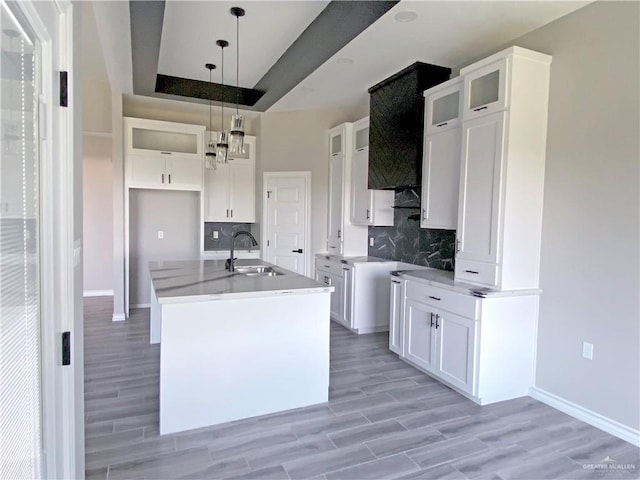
{"x":234,"y":346}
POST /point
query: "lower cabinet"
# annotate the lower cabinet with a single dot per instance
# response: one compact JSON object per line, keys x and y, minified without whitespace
{"x":482,"y":347}
{"x":330,"y":273}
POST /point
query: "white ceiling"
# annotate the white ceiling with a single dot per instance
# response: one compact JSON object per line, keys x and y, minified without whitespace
{"x":447,"y":33}
{"x":190,"y":31}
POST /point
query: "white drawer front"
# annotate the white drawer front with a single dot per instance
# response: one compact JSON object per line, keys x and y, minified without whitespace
{"x":459,"y":303}
{"x":329,"y":266}
{"x":477,"y":272}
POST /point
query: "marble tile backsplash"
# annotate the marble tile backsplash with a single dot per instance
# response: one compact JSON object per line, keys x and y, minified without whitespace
{"x":225,"y":233}
{"x":407,"y":242}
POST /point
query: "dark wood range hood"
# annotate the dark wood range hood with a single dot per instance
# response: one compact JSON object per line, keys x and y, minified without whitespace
{"x":396,"y":115}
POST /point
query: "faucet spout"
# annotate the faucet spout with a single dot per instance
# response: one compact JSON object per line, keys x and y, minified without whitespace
{"x":254,"y":243}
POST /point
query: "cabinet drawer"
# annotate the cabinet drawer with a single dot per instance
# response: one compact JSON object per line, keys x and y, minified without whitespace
{"x":477,"y":272}
{"x":464,"y":305}
{"x":329,"y":266}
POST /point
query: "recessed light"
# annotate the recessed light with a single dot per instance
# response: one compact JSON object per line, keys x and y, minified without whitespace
{"x":405,"y":16}
{"x":345,"y":61}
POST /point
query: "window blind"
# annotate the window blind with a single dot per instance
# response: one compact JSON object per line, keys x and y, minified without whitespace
{"x":20,"y":345}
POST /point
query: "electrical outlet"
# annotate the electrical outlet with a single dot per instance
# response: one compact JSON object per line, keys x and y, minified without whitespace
{"x":215,"y":234}
{"x":160,"y":234}
{"x":587,"y":350}
{"x":371,"y":241}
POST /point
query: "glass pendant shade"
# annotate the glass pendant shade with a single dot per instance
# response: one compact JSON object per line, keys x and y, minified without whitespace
{"x":222,"y":146}
{"x":236,"y":137}
{"x":210,"y":153}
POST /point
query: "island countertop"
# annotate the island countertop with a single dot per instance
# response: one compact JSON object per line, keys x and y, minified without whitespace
{"x":205,"y":280}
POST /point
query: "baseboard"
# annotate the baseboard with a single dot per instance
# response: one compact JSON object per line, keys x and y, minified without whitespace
{"x":118,"y":317}
{"x":141,"y":305}
{"x":592,"y":418}
{"x":97,"y":293}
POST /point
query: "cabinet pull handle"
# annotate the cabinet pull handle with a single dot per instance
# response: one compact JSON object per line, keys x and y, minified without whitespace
{"x":472,"y":271}
{"x":333,"y":247}
{"x":346,"y":269}
{"x":163,"y":178}
{"x":437,"y":318}
{"x":431,"y":318}
{"x":393,"y":281}
{"x":227,"y":213}
{"x":361,"y":149}
{"x":326,"y":266}
{"x":169,"y":179}
{"x":231,"y":212}
{"x":339,"y":233}
{"x":434,"y":298}
{"x":368,"y":215}
{"x":165,"y":153}
{"x":480,"y":108}
{"x":443,"y":124}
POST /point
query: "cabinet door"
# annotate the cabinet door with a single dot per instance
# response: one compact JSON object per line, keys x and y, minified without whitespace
{"x":335,"y":307}
{"x":242,"y":205}
{"x":456,"y":350}
{"x":347,"y":298}
{"x":485,"y":90}
{"x":336,"y":142}
{"x":443,"y":107}
{"x":183,"y":173}
{"x":396,"y":311}
{"x":419,"y":334}
{"x":147,"y":171}
{"x":217,"y":194}
{"x":481,"y":188}
{"x":441,"y":180}
{"x":336,"y":194}
{"x":360,"y":194}
{"x":153,"y":137}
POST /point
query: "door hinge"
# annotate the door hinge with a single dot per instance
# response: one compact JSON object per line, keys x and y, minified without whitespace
{"x":269,"y":193}
{"x":66,"y":348}
{"x":267,"y":243}
{"x":64,"y":89}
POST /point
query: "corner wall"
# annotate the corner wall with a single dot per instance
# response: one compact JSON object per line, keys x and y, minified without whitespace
{"x":590,"y":235}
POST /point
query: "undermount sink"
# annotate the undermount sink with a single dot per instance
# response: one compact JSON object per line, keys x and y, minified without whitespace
{"x":256,"y":271}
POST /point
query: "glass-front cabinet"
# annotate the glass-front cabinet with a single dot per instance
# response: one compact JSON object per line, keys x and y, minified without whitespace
{"x":485,"y":89}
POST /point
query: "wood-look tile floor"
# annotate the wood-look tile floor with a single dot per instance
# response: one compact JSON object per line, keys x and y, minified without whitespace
{"x":384,"y":420}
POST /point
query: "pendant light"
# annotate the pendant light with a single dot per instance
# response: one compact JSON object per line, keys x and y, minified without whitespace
{"x":222,"y":146}
{"x":210,"y":154}
{"x":236,"y":136}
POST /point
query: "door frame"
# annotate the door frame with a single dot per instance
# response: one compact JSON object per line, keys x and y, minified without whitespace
{"x":61,"y":245}
{"x":306,"y":175}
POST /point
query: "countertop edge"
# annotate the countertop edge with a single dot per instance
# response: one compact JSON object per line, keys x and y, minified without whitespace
{"x":240,"y":295}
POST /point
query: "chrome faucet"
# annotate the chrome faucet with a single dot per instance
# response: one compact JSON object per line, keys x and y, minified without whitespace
{"x":254,"y":243}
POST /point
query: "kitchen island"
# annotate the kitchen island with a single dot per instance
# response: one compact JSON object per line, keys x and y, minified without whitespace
{"x":237,"y":345}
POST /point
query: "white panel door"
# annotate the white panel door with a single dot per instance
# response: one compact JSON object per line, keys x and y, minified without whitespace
{"x":217,"y":194}
{"x":419,"y":320}
{"x":360,"y":195}
{"x":184,"y":173}
{"x":480,"y":188}
{"x":147,"y":171}
{"x":286,"y":222}
{"x":242,"y":203}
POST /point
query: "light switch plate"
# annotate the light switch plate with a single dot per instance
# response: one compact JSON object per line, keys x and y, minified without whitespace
{"x":587,"y":350}
{"x":160,"y":234}
{"x":371,"y":241}
{"x":215,"y":234}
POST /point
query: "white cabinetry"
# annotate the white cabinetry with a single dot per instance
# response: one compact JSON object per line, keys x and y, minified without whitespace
{"x":360,"y":301}
{"x":230,"y":189}
{"x":343,"y":237}
{"x":163,"y":155}
{"x":441,"y":156}
{"x":368,"y":207}
{"x":502,"y":169}
{"x":482,"y":347}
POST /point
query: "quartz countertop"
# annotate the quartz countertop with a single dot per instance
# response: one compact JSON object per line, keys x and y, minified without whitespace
{"x":205,"y":280}
{"x":444,"y":279}
{"x":352,"y":260}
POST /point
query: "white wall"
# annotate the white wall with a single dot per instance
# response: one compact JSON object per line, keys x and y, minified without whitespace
{"x":96,"y":106}
{"x":298,"y":141}
{"x":97,"y":214}
{"x":590,"y":255}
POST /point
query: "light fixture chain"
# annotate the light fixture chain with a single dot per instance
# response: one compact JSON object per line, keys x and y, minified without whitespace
{"x":237,"y":63}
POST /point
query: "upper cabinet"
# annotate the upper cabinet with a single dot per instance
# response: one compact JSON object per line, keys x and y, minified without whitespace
{"x":229,"y":190}
{"x":343,"y":236}
{"x":397,"y":126}
{"x":163,"y":155}
{"x":502,"y":170}
{"x":368,"y":207}
{"x":441,"y":156}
